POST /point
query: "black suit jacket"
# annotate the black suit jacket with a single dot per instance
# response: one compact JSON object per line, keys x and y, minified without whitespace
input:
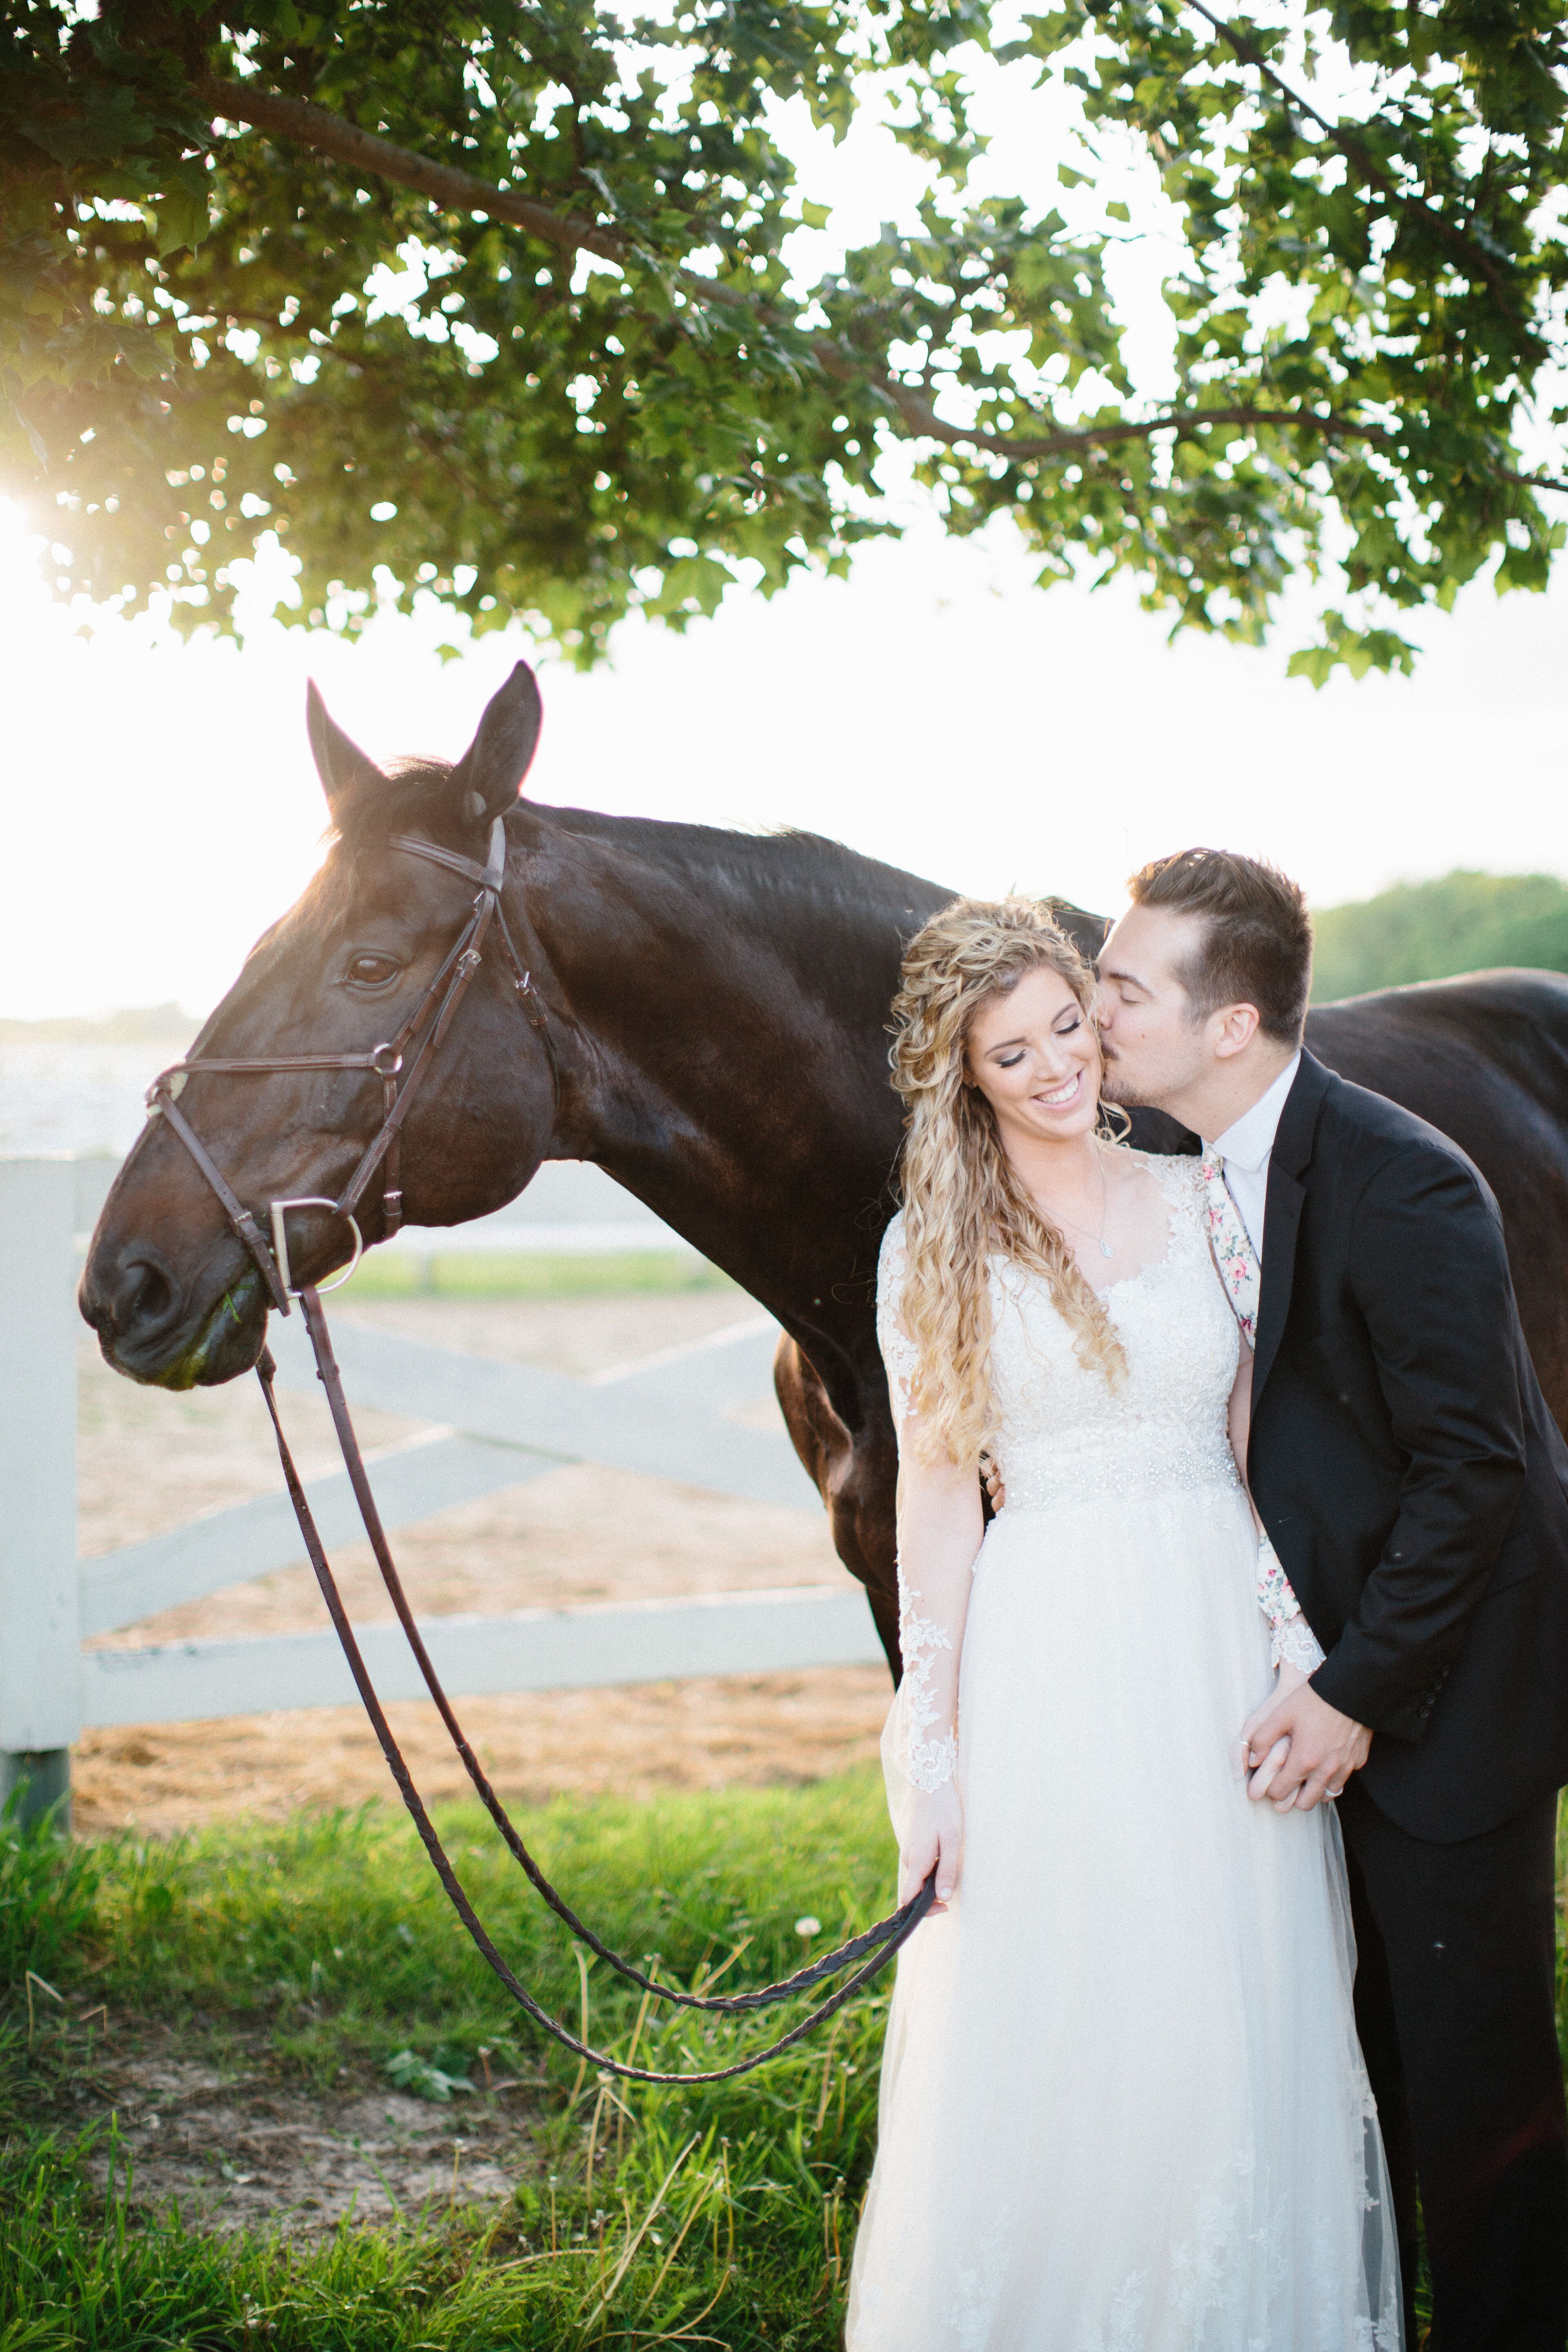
{"x":1404,"y":1462}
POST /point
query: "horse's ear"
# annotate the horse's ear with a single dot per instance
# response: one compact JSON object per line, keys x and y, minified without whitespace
{"x":486,"y":778}
{"x":341,"y":766}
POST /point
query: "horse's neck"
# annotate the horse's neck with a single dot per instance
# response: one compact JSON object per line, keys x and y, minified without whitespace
{"x":749,"y":1110}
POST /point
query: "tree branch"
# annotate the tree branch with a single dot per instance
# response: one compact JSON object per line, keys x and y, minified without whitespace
{"x":924,"y":420}
{"x":1355,"y":152}
{"x":306,"y":124}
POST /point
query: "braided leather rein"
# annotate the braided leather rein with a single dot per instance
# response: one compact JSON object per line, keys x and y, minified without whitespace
{"x":421,"y":1035}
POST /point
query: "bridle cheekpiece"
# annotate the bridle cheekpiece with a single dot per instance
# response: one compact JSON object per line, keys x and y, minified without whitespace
{"x":399,"y":1063}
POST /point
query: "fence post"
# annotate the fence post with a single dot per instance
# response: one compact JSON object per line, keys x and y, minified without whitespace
{"x":40,"y":1635}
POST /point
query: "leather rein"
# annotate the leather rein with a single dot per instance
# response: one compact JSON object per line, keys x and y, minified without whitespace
{"x":400,"y":1063}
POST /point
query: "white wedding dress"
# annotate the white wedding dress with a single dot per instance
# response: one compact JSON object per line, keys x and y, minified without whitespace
{"x":1123,"y":2108}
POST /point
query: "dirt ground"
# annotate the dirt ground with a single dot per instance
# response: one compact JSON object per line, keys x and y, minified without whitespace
{"x":149,"y":1461}
{"x":238,"y":2144}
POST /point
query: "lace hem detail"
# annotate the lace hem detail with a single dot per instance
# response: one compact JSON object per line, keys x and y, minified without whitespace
{"x":1205,"y":2282}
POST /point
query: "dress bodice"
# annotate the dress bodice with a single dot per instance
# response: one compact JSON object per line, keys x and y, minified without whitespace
{"x":1063,"y":1432}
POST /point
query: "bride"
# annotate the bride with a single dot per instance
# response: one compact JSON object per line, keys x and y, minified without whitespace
{"x":1122,"y":2108}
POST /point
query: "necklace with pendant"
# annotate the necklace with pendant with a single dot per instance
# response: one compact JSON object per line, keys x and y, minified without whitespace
{"x":1105,"y":1248}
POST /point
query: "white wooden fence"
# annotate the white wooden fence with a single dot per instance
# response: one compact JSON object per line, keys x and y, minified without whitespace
{"x":497,"y":1425}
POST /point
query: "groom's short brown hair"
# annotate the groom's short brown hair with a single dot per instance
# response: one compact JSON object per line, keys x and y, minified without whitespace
{"x":1255,"y":945}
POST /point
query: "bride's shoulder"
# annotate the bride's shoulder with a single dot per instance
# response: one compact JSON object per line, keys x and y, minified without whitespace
{"x":1179,"y":1174}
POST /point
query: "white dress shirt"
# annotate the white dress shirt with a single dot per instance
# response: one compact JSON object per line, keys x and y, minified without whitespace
{"x":1244,"y":1147}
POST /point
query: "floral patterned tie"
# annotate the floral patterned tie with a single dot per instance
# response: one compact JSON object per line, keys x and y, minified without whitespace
{"x":1241,"y":1271}
{"x":1241,"y":1268}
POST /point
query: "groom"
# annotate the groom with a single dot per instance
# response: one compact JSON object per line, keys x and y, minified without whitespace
{"x":1416,"y":1488}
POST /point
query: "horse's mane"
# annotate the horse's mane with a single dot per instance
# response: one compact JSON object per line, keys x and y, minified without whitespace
{"x":785,"y":865}
{"x":786,"y":862}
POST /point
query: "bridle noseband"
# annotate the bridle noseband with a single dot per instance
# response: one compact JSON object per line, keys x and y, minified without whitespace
{"x":400,"y":1063}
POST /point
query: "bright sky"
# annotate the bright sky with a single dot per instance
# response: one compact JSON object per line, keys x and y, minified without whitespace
{"x":937,"y":711}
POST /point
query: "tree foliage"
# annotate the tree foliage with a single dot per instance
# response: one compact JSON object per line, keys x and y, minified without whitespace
{"x":1430,"y":931}
{"x":603,"y":388}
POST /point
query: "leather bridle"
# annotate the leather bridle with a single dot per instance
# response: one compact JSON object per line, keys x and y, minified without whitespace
{"x":400,"y":1063}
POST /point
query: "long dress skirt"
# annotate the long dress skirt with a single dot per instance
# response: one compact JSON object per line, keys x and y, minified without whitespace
{"x":1123,"y":2108}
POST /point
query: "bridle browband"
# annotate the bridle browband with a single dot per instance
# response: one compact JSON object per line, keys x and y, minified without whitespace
{"x":421,"y":1035}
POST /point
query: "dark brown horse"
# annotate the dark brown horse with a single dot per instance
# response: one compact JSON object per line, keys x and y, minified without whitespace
{"x":717,"y":1007}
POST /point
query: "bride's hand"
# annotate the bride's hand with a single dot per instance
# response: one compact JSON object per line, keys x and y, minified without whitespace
{"x":935,"y":1834}
{"x":1243,"y":1760}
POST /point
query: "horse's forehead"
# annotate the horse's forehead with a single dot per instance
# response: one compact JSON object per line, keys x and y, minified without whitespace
{"x":346,"y":889}
{"x":312,"y":926}
{"x":294,"y":954}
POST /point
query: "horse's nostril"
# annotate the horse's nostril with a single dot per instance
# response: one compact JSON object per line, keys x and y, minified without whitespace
{"x":144,"y":1297}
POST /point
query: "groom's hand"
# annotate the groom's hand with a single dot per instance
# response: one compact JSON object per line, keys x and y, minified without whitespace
{"x":1324,"y":1749}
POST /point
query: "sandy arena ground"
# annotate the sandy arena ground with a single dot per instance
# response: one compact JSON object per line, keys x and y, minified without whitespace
{"x":149,"y":1461}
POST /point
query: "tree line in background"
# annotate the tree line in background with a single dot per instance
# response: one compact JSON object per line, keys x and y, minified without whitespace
{"x":1427,"y":930}
{"x":490,"y":299}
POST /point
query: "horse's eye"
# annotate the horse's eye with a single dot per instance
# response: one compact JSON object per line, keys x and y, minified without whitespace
{"x":372,"y":971}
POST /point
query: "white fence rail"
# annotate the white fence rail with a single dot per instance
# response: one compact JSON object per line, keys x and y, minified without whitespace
{"x":497,"y":1425}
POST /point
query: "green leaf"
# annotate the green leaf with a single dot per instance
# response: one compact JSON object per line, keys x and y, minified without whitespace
{"x":1315,"y":663}
{"x":410,"y":2072}
{"x":182,"y":212}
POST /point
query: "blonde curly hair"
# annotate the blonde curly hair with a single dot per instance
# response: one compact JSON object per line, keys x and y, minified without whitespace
{"x":962,"y":1203}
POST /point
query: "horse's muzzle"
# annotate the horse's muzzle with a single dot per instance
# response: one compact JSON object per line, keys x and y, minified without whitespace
{"x":148,"y":1328}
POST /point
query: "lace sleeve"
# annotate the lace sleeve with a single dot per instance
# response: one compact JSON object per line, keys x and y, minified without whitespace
{"x":900,"y":1354}
{"x":1292,"y":1641}
{"x":923,"y":1727}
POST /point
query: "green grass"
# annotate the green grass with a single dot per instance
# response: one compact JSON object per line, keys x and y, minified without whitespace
{"x":716,"y":2217}
{"x":517,"y":1274}
{"x":719,"y":2216}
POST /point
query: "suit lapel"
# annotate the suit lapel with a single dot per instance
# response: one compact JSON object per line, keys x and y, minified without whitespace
{"x":1281,"y":1217}
{"x":1287,"y":1163}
